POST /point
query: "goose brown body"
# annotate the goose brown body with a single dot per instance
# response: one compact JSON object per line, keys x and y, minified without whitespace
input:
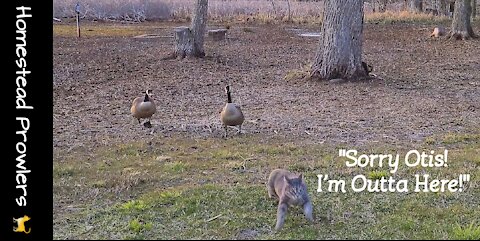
{"x":231,"y":114}
{"x":143,"y":107}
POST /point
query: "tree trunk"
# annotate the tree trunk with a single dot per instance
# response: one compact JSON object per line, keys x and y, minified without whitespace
{"x":199,"y":24}
{"x":274,"y":9}
{"x":461,"y":25}
{"x":339,"y":54}
{"x":416,"y":6}
{"x":442,"y":8}
{"x":189,"y":41}
{"x":382,"y":6}
{"x":379,"y":5}
{"x":451,"y":8}
{"x":474,"y":9}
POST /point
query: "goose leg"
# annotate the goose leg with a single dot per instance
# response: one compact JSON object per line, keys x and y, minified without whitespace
{"x":239,"y":129}
{"x":225,"y":126}
{"x":148,"y":124}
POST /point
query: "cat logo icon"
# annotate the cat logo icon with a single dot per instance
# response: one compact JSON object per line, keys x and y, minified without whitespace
{"x":21,"y":224}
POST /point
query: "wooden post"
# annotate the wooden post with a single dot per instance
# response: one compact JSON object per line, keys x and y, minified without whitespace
{"x":77,"y":10}
{"x":289,"y":12}
{"x":78,"y":25}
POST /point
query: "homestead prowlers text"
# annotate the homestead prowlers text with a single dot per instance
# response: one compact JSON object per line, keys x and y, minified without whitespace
{"x":21,"y":82}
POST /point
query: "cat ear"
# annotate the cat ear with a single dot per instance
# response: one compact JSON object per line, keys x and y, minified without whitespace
{"x":286,"y":179}
{"x":300,"y":176}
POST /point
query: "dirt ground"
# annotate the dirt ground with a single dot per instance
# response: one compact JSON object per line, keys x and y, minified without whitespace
{"x":424,"y":87}
{"x":114,"y":178}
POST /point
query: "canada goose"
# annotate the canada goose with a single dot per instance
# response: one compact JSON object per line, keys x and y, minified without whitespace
{"x":143,"y":108}
{"x":231,"y":114}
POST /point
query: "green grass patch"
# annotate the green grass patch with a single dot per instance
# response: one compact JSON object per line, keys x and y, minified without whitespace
{"x":273,"y":150}
{"x":175,"y":167}
{"x":378,"y":174}
{"x":99,"y":184}
{"x":299,"y":167}
{"x":215,"y":189}
{"x":223,"y":154}
{"x":134,"y":205}
{"x":471,"y":232}
{"x":136,"y":226}
{"x":454,"y":138}
{"x":63,"y":171}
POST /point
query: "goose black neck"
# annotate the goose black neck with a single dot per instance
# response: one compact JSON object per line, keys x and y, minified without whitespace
{"x":147,"y":99}
{"x":229,"y":97}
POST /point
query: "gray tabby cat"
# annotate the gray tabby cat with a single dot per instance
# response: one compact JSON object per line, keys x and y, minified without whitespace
{"x":290,"y":190}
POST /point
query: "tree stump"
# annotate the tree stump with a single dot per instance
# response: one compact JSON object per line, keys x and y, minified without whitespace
{"x":189,"y":41}
{"x":183,"y":42}
{"x":217,"y":34}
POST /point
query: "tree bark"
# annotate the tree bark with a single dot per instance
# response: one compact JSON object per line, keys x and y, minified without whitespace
{"x":273,"y":7}
{"x":442,"y":7}
{"x":379,"y":5}
{"x":451,"y":8}
{"x":189,"y":41}
{"x":416,"y":6}
{"x":199,"y":24}
{"x":339,"y":54}
{"x":461,"y":25}
{"x":183,"y":42}
{"x":382,"y":6}
{"x":474,"y":9}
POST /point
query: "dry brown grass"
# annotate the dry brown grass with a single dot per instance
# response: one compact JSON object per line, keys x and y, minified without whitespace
{"x":260,"y":11}
{"x":105,"y":30}
{"x":404,"y":16}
